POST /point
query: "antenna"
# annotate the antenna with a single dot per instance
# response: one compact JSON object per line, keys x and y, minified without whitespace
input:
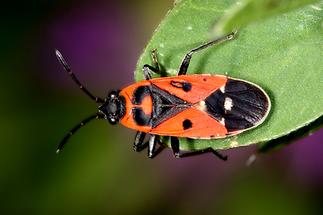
{"x":76,"y":128}
{"x":69,"y":71}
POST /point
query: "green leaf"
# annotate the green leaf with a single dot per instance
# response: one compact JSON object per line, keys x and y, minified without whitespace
{"x":247,"y":11}
{"x":282,"y":54}
{"x":294,"y":135}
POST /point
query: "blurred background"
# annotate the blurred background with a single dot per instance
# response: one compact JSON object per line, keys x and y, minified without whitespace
{"x":98,"y":172}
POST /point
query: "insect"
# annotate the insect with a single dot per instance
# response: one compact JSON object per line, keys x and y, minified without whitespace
{"x":190,"y":106}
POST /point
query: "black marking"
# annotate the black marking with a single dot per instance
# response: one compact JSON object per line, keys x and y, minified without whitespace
{"x":186,"y":86}
{"x":215,"y":105}
{"x":187,"y":124}
{"x":122,"y":106}
{"x":140,"y":117}
{"x":165,"y":105}
{"x":250,"y":105}
{"x":139,"y":94}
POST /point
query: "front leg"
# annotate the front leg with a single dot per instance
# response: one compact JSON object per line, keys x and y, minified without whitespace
{"x":187,"y":59}
{"x":147,"y":69}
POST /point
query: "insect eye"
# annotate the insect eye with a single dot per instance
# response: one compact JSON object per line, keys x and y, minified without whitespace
{"x":112,"y":120}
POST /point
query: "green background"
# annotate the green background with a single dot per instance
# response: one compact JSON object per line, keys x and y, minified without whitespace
{"x":98,"y":172}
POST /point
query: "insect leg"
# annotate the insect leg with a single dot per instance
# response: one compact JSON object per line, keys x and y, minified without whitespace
{"x":186,"y":61}
{"x":147,"y":71}
{"x":175,"y":146}
{"x":139,"y":143}
{"x":69,"y":71}
{"x":154,"y":140}
{"x":155,"y":60}
{"x":179,"y":154}
{"x":155,"y":68}
{"x":76,"y":128}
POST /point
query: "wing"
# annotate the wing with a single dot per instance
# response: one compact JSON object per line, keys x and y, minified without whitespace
{"x":192,"y":123}
{"x":190,"y":88}
{"x":240,"y":105}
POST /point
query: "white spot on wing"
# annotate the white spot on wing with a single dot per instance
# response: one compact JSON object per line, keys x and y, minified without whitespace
{"x":228,"y":103}
{"x":189,"y":28}
{"x":222,"y":89}
{"x":222,"y":121}
{"x":201,"y":106}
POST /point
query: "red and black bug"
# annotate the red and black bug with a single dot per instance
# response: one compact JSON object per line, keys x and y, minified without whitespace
{"x":192,"y":106}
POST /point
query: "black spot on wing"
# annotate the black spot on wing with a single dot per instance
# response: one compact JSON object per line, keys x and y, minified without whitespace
{"x":139,"y":94}
{"x":233,"y":122}
{"x":215,"y":104}
{"x":236,"y":86}
{"x":246,"y":92}
{"x":187,"y":124}
{"x":186,"y":86}
{"x":140,"y":117}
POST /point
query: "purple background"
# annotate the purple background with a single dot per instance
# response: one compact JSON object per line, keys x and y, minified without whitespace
{"x":98,"y":173}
